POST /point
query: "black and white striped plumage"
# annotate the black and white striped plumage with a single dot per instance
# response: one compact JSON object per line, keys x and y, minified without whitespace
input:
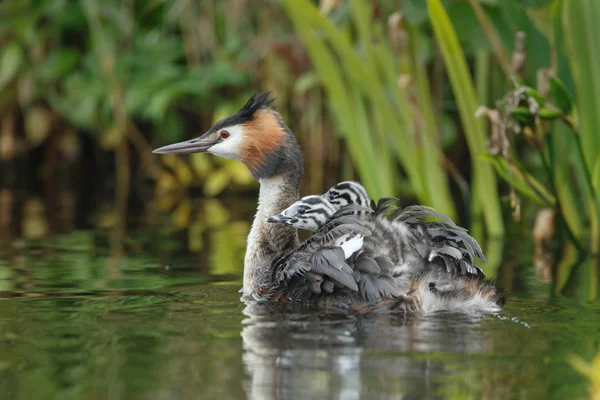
{"x":409,"y":245}
{"x":374,"y":276}
{"x":310,"y":213}
{"x":348,"y":192}
{"x":328,"y":265}
{"x":430,"y":236}
{"x":399,"y":233}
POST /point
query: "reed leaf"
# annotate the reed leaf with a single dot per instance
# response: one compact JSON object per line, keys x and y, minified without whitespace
{"x":360,"y":147}
{"x":484,"y":180}
{"x":521,"y":181}
{"x":569,"y":180}
{"x":404,"y":145}
{"x":581,"y":28}
{"x":345,"y":102}
{"x":582,"y":31}
{"x":492,"y":35}
{"x":435,"y":178}
{"x":374,"y":112}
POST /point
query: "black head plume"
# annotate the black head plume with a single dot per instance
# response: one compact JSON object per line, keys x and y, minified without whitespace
{"x":256,"y":102}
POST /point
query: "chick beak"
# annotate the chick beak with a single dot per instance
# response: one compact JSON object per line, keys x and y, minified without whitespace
{"x":187,"y":147}
{"x":278,"y":218}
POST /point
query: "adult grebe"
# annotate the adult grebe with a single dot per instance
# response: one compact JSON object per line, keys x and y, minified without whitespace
{"x":276,"y":267}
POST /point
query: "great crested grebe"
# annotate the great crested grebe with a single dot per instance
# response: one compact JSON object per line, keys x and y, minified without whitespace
{"x":276,"y":267}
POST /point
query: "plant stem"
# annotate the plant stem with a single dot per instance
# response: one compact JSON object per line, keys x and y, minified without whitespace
{"x":595,"y":222}
{"x":492,"y":35}
{"x":548,"y":167}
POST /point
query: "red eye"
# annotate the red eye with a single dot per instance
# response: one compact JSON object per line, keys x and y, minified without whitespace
{"x":224,"y":134}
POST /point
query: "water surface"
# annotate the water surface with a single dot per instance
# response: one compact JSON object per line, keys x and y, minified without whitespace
{"x":71,"y":330}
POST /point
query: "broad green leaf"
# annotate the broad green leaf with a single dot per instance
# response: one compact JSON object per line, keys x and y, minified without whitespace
{"x":531,"y":92}
{"x":58,"y":64}
{"x":523,"y":115}
{"x":549,"y":114}
{"x":10,"y":62}
{"x":560,"y":95}
{"x":522,"y":181}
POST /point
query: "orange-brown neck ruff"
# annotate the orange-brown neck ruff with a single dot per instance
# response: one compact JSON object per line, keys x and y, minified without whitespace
{"x":263,"y":140}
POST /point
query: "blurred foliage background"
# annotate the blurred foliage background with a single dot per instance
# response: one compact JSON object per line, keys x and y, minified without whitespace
{"x":483,"y":109}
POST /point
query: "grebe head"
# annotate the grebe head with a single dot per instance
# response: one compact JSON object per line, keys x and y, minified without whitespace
{"x":255,"y":135}
{"x":309,"y":213}
{"x":348,"y":192}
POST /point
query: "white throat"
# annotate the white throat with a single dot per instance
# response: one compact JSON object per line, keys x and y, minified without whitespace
{"x":269,"y":197}
{"x":265,"y":238}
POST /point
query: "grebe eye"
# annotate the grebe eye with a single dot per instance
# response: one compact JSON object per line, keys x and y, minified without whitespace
{"x":301,"y":210}
{"x":331,"y":195}
{"x":225,"y":134}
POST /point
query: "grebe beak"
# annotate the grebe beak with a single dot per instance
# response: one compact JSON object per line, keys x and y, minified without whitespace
{"x":187,"y":147}
{"x":278,"y":218}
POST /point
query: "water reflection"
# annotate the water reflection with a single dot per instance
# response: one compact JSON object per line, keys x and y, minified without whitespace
{"x":300,"y":354}
{"x":199,"y":342}
{"x":70,"y":329}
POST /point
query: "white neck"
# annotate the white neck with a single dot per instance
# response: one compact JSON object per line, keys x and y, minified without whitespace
{"x":267,"y":240}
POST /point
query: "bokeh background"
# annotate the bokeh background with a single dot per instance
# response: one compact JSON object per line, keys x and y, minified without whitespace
{"x":483,"y":109}
{"x":120,"y":268}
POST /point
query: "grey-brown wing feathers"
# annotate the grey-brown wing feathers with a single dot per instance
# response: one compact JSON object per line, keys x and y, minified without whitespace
{"x":436,"y":236}
{"x":298,"y":261}
{"x":320,"y":267}
{"x":439,"y":228}
{"x":341,"y":230}
{"x":377,"y":287}
{"x":365,"y":263}
{"x":331,"y":262}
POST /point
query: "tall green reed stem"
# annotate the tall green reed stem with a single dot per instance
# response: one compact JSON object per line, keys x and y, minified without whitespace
{"x":374,"y":113}
{"x":484,"y":179}
{"x":581,"y":28}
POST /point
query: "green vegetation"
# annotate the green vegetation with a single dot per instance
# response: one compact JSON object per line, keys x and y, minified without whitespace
{"x":385,"y":120}
{"x":376,"y":82}
{"x":590,"y":370}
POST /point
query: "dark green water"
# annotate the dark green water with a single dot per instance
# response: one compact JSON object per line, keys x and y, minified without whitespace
{"x":70,"y":330}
